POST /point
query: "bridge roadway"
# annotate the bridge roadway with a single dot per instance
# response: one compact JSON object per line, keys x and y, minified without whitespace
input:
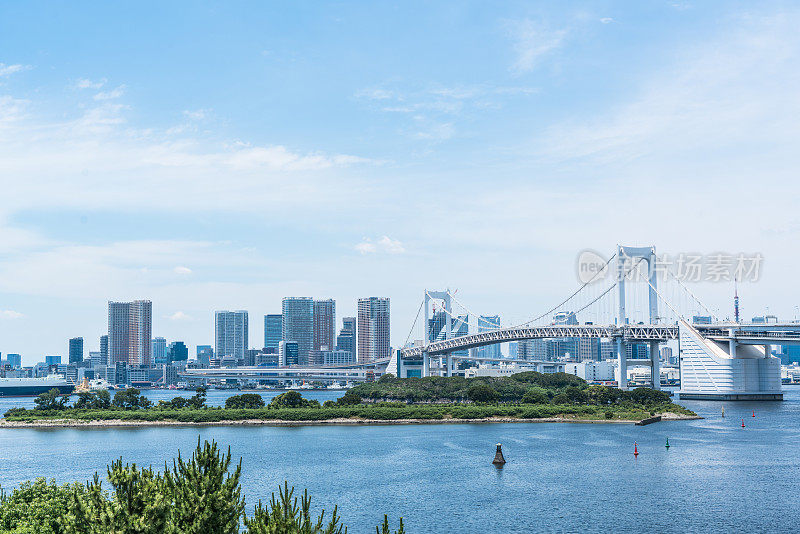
{"x":756,"y":334}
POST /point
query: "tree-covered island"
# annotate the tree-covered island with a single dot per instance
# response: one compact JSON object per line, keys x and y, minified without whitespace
{"x":525,"y":396}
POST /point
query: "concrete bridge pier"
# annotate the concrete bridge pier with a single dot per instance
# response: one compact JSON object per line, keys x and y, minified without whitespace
{"x":449,"y":363}
{"x":426,"y":364}
{"x":622,"y":364}
{"x":655,"y":365}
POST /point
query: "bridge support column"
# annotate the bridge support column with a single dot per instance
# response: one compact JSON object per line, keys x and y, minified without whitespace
{"x":622,"y":364}
{"x":449,"y":360}
{"x":426,"y":364}
{"x":655,"y":365}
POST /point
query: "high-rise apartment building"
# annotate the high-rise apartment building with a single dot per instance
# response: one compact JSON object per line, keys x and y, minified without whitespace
{"x":273,"y":330}
{"x":298,"y":325}
{"x":231,"y":334}
{"x":129,"y":328}
{"x":159,"y":351}
{"x":104,"y":350}
{"x":76,"y":350}
{"x":324,"y":324}
{"x":373,"y":329}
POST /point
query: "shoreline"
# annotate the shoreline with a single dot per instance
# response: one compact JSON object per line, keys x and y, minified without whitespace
{"x":118,"y":423}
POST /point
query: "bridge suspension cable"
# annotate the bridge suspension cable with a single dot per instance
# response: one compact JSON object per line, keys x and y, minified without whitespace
{"x":410,"y":332}
{"x":554,"y":308}
{"x":470,"y":313}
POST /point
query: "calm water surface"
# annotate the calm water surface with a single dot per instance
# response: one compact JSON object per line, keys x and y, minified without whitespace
{"x":716,"y":477}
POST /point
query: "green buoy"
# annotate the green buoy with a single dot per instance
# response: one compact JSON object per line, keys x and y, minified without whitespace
{"x":667,"y":445}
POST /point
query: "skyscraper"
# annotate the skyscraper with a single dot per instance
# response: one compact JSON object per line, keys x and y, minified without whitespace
{"x":159,"y":351}
{"x":14,"y":360}
{"x":129,"y":327}
{"x":346,"y":340}
{"x":288,"y":353}
{"x":324,"y":324}
{"x":298,"y":325}
{"x":231,"y":334}
{"x":273,"y":331}
{"x":177,"y":352}
{"x":75,"y":350}
{"x":204,"y":355}
{"x":373,"y":329}
{"x":104,"y":350}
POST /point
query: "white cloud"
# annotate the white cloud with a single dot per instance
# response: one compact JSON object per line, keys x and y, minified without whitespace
{"x":113,"y":94}
{"x":182,"y":270}
{"x":8,"y":70}
{"x":85,"y":83}
{"x":385,"y":245}
{"x":179,"y":316}
{"x":10,"y":314}
{"x":606,"y":20}
{"x":196,"y":115}
{"x":533,"y":41}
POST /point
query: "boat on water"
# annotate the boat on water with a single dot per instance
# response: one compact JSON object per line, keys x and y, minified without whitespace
{"x":22,"y":387}
{"x":96,"y":384}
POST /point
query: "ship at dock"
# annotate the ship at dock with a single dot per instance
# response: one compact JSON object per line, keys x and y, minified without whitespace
{"x":22,"y":387}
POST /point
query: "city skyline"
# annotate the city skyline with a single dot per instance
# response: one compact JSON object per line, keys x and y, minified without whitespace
{"x":485,"y":158}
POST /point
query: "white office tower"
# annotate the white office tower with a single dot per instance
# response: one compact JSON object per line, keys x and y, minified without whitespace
{"x":726,"y":370}
{"x":231,"y":332}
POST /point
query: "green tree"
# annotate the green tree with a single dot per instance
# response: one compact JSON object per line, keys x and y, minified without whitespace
{"x":131,"y":399}
{"x":138,"y":504}
{"x":284,"y":516}
{"x":482,"y":393}
{"x":349,"y":398}
{"x":384,"y":528}
{"x":102,"y":400}
{"x":50,"y":400}
{"x":204,"y":496}
{"x":198,"y":400}
{"x":290,"y":399}
{"x":245,"y":400}
{"x":36,"y":507}
{"x":93,"y":400}
{"x":535,"y":395}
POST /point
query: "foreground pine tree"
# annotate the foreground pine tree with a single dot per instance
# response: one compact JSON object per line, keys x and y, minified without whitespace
{"x":195,"y":496}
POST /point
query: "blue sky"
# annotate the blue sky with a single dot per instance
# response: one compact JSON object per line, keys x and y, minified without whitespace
{"x":223,"y":155}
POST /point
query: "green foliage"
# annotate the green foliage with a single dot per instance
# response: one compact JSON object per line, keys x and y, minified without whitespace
{"x":131,"y":399}
{"x":609,"y":414}
{"x":50,"y":400}
{"x":245,"y":400}
{"x":176,"y":403}
{"x":198,"y":400}
{"x":349,"y":398}
{"x":198,"y":496}
{"x":204,"y":496}
{"x":93,"y":400}
{"x":36,"y":507}
{"x":535,"y":395}
{"x":482,"y":393}
{"x":384,"y":528}
{"x":291,"y":399}
{"x":284,"y":516}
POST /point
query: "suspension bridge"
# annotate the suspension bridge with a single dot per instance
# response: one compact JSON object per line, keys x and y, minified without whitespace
{"x":628,"y":303}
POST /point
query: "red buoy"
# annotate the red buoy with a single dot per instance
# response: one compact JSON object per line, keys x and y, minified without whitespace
{"x":635,"y":449}
{"x":754,"y":413}
{"x":742,"y":423}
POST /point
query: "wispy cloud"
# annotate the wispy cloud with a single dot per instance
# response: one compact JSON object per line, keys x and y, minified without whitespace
{"x":85,"y":83}
{"x":179,"y":316}
{"x":10,"y":314}
{"x":182,"y":270}
{"x":532,"y":42}
{"x":113,"y":94}
{"x":8,"y":70}
{"x":385,"y":245}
